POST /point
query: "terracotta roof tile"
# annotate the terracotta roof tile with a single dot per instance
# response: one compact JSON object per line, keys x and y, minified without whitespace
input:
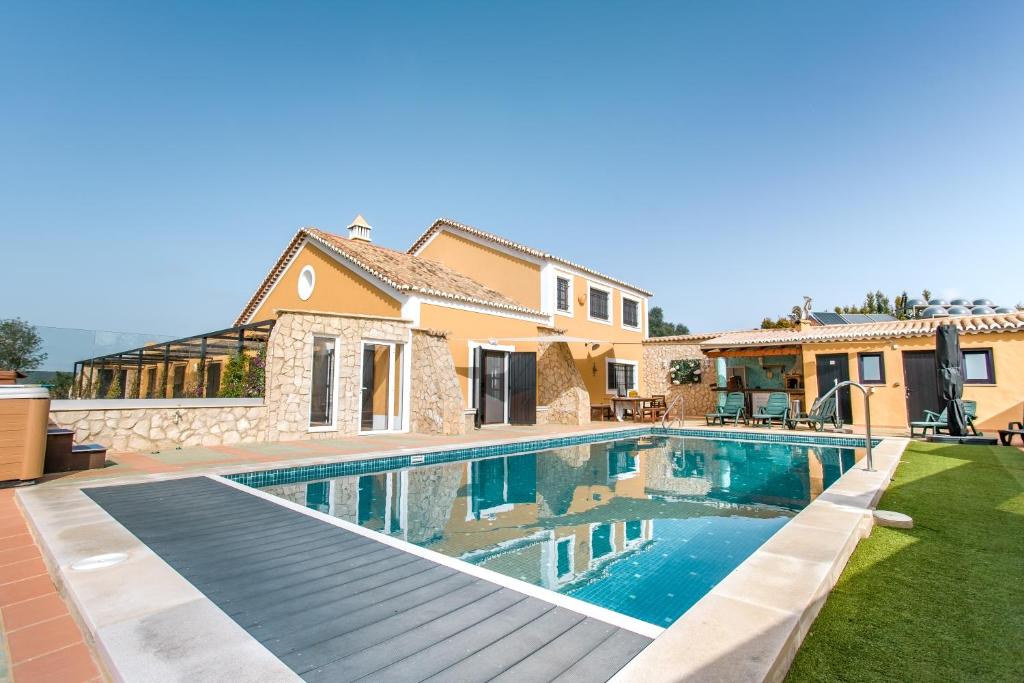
{"x":399,"y":270}
{"x":682,"y":338}
{"x":498,"y":239}
{"x":864,"y":331}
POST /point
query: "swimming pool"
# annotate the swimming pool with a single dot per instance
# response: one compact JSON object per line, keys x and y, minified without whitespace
{"x":644,"y":525}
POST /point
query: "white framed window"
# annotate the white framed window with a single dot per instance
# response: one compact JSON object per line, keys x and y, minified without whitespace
{"x":599,"y":304}
{"x":620,"y":376}
{"x":563,"y":294}
{"x":630,"y":313}
{"x":323,"y":389}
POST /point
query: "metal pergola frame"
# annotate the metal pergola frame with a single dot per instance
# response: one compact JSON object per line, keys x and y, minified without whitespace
{"x":227,"y":342}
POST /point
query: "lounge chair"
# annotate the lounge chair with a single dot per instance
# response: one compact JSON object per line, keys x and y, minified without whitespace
{"x":733,"y":409}
{"x":777,"y":408}
{"x":937,"y":422}
{"x":1006,"y":435}
{"x":820,"y":413}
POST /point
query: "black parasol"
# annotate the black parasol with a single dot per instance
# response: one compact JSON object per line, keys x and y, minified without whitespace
{"x":951,"y":379}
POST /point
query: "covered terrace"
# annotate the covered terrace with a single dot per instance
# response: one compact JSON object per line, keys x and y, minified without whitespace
{"x":190,"y":367}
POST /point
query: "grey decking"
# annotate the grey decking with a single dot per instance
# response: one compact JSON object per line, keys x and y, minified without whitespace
{"x":337,"y":606}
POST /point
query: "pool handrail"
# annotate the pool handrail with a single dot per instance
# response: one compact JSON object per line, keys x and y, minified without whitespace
{"x":869,"y":465}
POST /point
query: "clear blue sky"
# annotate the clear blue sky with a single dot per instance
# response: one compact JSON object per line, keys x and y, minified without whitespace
{"x":155,"y":158}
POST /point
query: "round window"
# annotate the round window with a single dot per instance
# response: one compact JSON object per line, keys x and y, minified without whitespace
{"x":307,"y":280}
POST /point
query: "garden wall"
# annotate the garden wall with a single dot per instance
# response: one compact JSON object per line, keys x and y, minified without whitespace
{"x":155,"y":424}
{"x":698,"y":398}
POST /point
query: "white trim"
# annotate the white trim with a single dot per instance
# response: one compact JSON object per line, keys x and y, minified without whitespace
{"x":557,"y":599}
{"x":137,"y":403}
{"x":312,"y":282}
{"x":622,"y":312}
{"x":599,"y":279}
{"x":396,"y":424}
{"x":621,"y":361}
{"x":345,"y":263}
{"x":564,"y":275}
{"x":333,"y":426}
{"x":504,"y":348}
{"x":480,"y":241}
{"x":524,"y":253}
{"x":486,"y":310}
{"x":567,"y":578}
{"x":611,"y":304}
{"x":594,"y":561}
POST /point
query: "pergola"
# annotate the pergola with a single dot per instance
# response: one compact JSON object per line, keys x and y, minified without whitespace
{"x":227,"y":342}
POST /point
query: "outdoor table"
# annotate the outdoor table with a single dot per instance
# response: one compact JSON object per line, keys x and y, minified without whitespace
{"x":621,"y":403}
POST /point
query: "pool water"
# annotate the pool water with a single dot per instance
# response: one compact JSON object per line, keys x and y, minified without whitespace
{"x":643,"y":526}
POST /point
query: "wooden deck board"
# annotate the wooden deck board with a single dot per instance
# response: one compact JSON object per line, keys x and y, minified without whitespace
{"x":335,"y":605}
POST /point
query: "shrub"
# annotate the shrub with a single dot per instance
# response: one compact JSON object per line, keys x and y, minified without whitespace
{"x":114,"y":390}
{"x":232,"y":383}
{"x":256,"y":376}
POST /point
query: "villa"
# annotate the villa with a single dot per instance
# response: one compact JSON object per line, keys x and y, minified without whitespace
{"x":406,"y":465}
{"x":464,"y":329}
{"x":468,"y":329}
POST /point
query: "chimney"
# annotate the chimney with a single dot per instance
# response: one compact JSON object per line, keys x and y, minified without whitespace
{"x":359,"y":229}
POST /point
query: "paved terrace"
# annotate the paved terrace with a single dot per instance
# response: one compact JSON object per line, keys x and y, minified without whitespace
{"x":40,"y":639}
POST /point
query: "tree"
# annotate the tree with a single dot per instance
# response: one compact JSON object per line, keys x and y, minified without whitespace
{"x":657,"y":327}
{"x":20,"y":346}
{"x":61,"y":384}
{"x":781,"y":323}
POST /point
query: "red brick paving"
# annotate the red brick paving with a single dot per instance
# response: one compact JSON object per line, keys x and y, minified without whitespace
{"x":44,"y":642}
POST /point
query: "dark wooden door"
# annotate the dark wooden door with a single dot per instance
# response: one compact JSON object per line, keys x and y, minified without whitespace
{"x":212,"y":385}
{"x":832,"y":369}
{"x":921,"y":382}
{"x":522,"y":388}
{"x":494,"y":387}
{"x":369,"y":354}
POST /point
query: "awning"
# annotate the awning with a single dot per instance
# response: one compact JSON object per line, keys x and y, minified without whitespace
{"x":547,"y":338}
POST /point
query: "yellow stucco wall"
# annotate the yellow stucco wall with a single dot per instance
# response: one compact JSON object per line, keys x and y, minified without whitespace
{"x":515,"y":278}
{"x":998,"y":403}
{"x":337,"y":290}
{"x":620,"y":343}
{"x":463,"y":326}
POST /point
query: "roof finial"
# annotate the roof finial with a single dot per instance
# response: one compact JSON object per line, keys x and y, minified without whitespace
{"x":359,"y":229}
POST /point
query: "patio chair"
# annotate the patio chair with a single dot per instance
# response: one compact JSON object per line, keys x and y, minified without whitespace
{"x":820,"y":413}
{"x":654,"y":410}
{"x":938,"y":421}
{"x":733,"y":409}
{"x":777,"y":408}
{"x":1014,"y":428}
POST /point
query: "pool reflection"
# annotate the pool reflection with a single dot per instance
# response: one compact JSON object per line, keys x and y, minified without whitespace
{"x":642,"y":526}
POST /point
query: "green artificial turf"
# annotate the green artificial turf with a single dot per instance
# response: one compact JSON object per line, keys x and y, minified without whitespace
{"x":943,"y":601}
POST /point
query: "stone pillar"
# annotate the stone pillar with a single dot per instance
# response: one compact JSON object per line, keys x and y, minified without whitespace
{"x":560,"y":386}
{"x":436,"y":402}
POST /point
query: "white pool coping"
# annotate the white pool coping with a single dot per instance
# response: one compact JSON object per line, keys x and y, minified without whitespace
{"x":147,"y":622}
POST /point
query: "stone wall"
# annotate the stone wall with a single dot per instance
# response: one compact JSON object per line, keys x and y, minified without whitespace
{"x":156,"y":428}
{"x":290,"y":369}
{"x":436,"y":402}
{"x":560,"y":386}
{"x":698,"y":399}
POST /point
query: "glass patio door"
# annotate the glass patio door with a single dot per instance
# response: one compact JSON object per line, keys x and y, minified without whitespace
{"x":381,"y":387}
